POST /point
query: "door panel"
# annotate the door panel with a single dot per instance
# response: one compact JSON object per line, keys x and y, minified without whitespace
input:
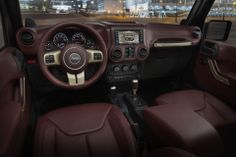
{"x":13,"y":104}
{"x":215,"y":69}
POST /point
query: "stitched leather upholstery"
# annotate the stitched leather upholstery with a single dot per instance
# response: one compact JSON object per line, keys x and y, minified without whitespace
{"x":91,"y":130}
{"x":209,"y":107}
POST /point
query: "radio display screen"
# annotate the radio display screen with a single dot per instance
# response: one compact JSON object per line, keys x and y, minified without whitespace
{"x":128,"y":37}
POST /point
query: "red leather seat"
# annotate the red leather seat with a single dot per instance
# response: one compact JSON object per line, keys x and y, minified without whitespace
{"x":172,"y":112}
{"x":206,"y":105}
{"x":85,"y":130}
{"x":170,"y":152}
{"x":185,"y":129}
{"x":90,"y":130}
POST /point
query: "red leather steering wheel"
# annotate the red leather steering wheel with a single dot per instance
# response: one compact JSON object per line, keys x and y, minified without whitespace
{"x":73,"y":58}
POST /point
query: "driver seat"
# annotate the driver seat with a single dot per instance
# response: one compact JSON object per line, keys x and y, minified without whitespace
{"x":90,"y":130}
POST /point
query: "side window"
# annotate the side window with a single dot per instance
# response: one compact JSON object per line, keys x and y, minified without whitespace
{"x":2,"y":39}
{"x":225,"y":10}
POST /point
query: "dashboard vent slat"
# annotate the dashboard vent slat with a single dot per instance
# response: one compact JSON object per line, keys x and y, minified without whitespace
{"x":27,"y":38}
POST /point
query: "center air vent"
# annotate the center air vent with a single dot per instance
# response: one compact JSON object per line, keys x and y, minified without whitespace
{"x":116,"y":54}
{"x":27,"y":38}
{"x":142,"y":53}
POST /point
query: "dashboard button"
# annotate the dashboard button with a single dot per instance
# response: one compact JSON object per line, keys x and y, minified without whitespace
{"x":129,"y":52}
{"x":50,"y":59}
{"x":97,"y":56}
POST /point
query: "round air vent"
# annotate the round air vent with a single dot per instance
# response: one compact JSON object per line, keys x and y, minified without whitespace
{"x":116,"y":54}
{"x":142,"y":53}
{"x":27,"y":38}
{"x":197,"y":33}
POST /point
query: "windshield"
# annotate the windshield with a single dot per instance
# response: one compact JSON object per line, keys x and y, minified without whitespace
{"x":47,"y":12}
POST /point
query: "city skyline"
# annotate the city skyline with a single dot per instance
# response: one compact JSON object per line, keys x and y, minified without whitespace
{"x":110,"y":6}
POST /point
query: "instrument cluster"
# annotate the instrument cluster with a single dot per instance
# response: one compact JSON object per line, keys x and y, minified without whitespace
{"x":61,"y":39}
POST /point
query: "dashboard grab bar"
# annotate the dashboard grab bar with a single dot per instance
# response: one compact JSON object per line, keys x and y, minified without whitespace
{"x":174,"y":44}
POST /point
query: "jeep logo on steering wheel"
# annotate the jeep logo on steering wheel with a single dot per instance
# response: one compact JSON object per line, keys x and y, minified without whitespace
{"x":75,"y":58}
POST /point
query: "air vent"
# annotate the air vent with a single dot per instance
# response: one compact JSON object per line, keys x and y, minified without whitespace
{"x":142,"y":53}
{"x":116,"y":54}
{"x":27,"y":38}
{"x":197,"y":33}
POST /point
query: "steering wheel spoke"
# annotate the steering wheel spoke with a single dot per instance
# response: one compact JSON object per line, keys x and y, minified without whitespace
{"x":52,"y":58}
{"x":76,"y":79}
{"x":95,"y":56}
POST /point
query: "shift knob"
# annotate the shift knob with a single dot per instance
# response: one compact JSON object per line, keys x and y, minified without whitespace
{"x":135,"y":86}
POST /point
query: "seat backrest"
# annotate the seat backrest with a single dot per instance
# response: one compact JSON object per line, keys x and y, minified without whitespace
{"x":90,"y":130}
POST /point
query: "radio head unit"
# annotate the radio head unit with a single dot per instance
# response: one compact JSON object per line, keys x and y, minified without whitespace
{"x":128,"y":37}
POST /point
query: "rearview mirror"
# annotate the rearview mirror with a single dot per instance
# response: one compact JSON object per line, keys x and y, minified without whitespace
{"x":217,"y":30}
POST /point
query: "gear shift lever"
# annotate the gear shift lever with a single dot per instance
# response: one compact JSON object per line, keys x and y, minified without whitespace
{"x":135,"y":90}
{"x":135,"y":87}
{"x":113,"y":91}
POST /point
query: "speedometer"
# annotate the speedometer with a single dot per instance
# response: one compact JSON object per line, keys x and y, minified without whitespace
{"x":60,"y":40}
{"x":79,"y":38}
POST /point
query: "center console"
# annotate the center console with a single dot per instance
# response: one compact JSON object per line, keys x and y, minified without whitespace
{"x":127,"y":53}
{"x":129,"y":102}
{"x":183,"y":128}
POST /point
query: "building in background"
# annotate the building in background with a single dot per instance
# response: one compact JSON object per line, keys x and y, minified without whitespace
{"x":100,"y":5}
{"x":110,"y":6}
{"x":141,"y":8}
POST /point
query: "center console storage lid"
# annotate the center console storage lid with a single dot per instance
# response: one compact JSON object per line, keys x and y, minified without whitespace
{"x":184,"y":129}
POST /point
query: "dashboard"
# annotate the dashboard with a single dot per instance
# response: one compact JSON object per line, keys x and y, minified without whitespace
{"x":135,"y":50}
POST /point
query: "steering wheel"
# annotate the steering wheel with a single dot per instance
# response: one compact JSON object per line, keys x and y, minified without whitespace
{"x":73,"y":58}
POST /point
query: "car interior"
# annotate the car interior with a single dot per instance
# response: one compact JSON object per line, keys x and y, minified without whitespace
{"x":117,"y":88}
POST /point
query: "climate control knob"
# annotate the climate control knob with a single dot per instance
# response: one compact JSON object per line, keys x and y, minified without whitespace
{"x":133,"y":67}
{"x":116,"y":68}
{"x":125,"y":68}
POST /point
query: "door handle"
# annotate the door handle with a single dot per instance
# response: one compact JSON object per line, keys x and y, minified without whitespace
{"x":217,"y":74}
{"x":22,"y":93}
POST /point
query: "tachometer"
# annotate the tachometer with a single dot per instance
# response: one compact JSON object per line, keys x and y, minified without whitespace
{"x":60,"y":40}
{"x":79,"y":38}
